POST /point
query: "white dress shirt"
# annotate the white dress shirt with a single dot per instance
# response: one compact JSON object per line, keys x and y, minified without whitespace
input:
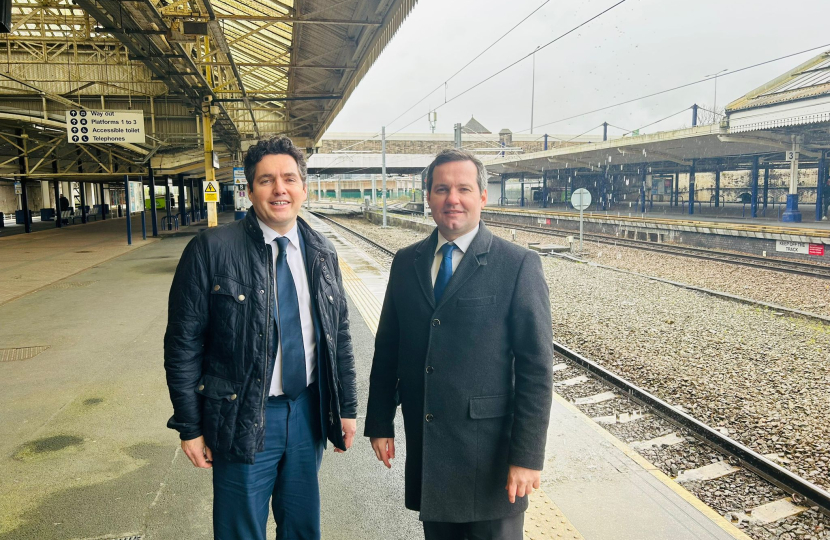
{"x":297,"y":266}
{"x":462,"y":243}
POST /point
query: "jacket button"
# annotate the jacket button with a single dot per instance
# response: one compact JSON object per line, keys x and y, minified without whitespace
{"x":436,"y":322}
{"x":430,"y":369}
{"x":216,"y":287}
{"x":241,"y":297}
{"x":429,"y":417}
{"x":201,"y":387}
{"x":261,"y":291}
{"x":233,"y":397}
{"x":328,"y":337}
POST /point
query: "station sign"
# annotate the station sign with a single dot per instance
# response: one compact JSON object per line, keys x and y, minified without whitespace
{"x":211,"y":191}
{"x":802,"y":248}
{"x":18,"y":188}
{"x":104,"y":127}
{"x":239,"y":176}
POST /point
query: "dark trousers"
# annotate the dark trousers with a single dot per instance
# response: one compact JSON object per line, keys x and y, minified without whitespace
{"x":509,"y":528}
{"x":285,"y":473}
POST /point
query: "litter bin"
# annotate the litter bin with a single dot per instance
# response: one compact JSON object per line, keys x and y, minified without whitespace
{"x":47,"y":214}
{"x":18,"y":217}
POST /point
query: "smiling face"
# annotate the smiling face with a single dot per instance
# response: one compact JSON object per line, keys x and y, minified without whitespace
{"x":277,"y":191}
{"x":455,"y":198}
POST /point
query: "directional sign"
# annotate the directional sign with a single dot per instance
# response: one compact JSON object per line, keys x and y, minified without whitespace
{"x":581,"y":199}
{"x":88,"y":126}
{"x":18,"y":188}
{"x":211,"y":191}
{"x":239,"y":176}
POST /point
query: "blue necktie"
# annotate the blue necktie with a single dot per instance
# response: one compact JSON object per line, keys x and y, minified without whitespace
{"x":290,"y":329}
{"x":444,"y":272}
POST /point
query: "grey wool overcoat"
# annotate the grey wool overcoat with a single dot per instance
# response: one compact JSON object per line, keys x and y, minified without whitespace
{"x":473,"y":374}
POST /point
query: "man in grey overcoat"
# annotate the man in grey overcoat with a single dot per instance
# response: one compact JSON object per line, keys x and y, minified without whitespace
{"x":465,"y":344}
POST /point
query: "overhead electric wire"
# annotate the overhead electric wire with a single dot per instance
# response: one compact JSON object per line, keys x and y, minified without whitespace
{"x":444,"y":83}
{"x":626,"y":102}
{"x":656,"y":121}
{"x":528,"y":55}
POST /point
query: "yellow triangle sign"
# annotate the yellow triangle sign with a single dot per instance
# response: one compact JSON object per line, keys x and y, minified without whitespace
{"x":210,"y":188}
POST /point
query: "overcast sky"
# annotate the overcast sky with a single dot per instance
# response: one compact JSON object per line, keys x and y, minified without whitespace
{"x":639,"y":47}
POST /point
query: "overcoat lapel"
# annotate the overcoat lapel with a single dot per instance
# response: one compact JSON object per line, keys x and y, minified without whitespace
{"x":425,"y":253}
{"x":476,"y":256}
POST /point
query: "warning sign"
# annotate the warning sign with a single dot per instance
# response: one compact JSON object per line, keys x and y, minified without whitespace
{"x":211,"y":190}
{"x":816,"y":249}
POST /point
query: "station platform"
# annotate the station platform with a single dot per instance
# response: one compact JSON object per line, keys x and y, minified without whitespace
{"x":86,"y":454}
{"x":724,"y":224}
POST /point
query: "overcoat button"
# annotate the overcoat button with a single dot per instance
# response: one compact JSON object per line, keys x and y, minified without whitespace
{"x":233,"y":397}
{"x":216,"y":287}
{"x":429,"y":417}
{"x":331,"y":299}
{"x":261,"y":291}
{"x":436,"y":322}
{"x":328,"y":337}
{"x":201,"y":387}
{"x":430,"y":369}
{"x":241,"y":297}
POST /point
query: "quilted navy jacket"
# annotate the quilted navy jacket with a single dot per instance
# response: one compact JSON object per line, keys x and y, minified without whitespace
{"x":219,"y":346}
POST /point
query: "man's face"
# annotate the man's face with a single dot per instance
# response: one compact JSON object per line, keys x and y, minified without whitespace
{"x":455,"y":198}
{"x":277,"y":192}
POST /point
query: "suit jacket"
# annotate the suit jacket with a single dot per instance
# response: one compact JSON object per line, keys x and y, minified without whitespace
{"x":473,"y":374}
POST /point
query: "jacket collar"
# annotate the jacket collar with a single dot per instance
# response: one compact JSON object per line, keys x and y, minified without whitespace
{"x":312,"y":238}
{"x":475,"y":256}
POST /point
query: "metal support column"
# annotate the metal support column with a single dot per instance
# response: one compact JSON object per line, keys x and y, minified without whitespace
{"x":58,"y":220}
{"x":192,"y":201}
{"x":766,"y":186}
{"x":210,"y":172}
{"x":101,"y":205}
{"x":151,"y":179}
{"x":546,"y":141}
{"x":694,"y":115}
{"x":83,"y":202}
{"x":605,"y":131}
{"x":522,"y":197}
{"x":643,"y":190}
{"x":692,"y":185}
{"x":792,"y":214}
{"x":167,"y":204}
{"x":129,"y":217}
{"x":182,"y":207}
{"x":676,"y":189}
{"x":23,"y":161}
{"x":544,"y":188}
{"x":822,"y":173}
{"x":754,"y":188}
{"x":717,"y":185}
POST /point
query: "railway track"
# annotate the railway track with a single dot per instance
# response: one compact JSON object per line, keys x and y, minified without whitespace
{"x":803,"y":491}
{"x":752,"y":261}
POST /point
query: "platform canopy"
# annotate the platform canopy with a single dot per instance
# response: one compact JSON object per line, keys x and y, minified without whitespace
{"x":268,"y":66}
{"x":760,"y":124}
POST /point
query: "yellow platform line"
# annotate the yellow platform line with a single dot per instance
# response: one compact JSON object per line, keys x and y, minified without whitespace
{"x":543,"y":519}
{"x":701,"y":506}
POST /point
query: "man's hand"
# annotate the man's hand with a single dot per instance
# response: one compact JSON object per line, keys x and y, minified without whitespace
{"x":384,"y":449}
{"x":199,"y":454}
{"x":349,"y":426}
{"x":521,"y":482}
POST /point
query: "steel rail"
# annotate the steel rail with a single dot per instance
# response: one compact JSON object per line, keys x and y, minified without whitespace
{"x":750,"y":459}
{"x":355,"y":233}
{"x":790,"y":267}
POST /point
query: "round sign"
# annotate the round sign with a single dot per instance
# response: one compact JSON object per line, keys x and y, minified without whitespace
{"x":581,"y":199}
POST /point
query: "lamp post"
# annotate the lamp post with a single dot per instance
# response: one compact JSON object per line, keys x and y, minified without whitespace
{"x":715,"y":99}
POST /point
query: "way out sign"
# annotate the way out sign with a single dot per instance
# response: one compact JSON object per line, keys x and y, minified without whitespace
{"x":99,"y":126}
{"x":211,"y":190}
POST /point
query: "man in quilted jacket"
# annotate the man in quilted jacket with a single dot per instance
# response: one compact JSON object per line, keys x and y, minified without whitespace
{"x":258,"y":355}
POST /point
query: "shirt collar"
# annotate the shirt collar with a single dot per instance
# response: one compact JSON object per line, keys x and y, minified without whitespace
{"x":271,"y":235}
{"x":462,"y":242}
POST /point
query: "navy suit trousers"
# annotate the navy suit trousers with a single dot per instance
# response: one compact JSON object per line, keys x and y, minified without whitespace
{"x":285,"y":473}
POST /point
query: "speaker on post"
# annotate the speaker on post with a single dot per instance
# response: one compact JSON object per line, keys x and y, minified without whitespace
{"x":5,"y":16}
